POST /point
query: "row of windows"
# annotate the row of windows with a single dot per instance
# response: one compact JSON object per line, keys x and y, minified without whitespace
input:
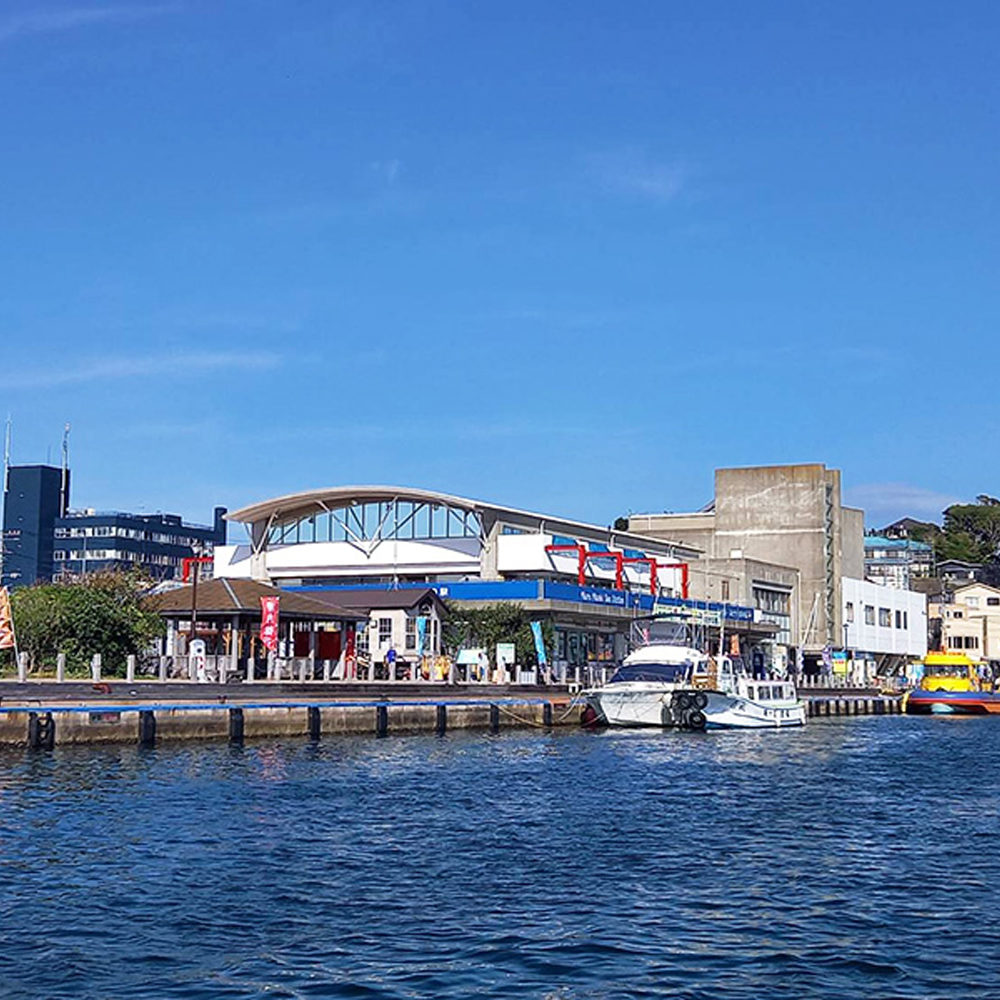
{"x":991,"y":602}
{"x":775,"y":601}
{"x":399,"y":519}
{"x":116,"y":531}
{"x":885,"y":616}
{"x":63,"y":555}
{"x":963,"y":641}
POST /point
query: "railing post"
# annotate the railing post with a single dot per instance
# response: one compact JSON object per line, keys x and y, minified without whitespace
{"x":163,"y":668}
{"x":61,"y":668}
{"x":95,"y":667}
{"x":22,"y":667}
{"x":130,"y":668}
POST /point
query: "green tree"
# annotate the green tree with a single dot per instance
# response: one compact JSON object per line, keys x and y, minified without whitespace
{"x":971,"y":531}
{"x":102,"y":613}
{"x":486,"y":626}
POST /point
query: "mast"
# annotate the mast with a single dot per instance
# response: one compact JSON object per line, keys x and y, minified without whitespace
{"x":64,"y":484}
{"x":6,"y":477}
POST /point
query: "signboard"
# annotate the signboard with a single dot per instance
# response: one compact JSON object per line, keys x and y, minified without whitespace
{"x":506,"y":654}
{"x":689,"y":614}
{"x":197,"y":661}
{"x":839,"y":661}
{"x":269,"y":622}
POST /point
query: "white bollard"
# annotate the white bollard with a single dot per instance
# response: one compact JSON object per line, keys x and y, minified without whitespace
{"x":163,"y":668}
{"x":250,"y":677}
{"x":326,"y":671}
{"x":95,"y":667}
{"x":22,"y":667}
{"x":130,"y":668}
{"x":61,"y":668}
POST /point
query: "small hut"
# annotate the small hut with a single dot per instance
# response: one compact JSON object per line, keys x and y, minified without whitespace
{"x":316,"y":640}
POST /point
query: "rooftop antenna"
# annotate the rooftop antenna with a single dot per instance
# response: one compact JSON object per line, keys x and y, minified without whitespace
{"x":64,"y":485}
{"x":6,"y":454}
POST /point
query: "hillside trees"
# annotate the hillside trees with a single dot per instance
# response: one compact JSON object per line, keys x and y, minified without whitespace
{"x":474,"y":627}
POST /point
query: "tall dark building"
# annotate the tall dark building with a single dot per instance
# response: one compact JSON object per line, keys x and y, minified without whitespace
{"x":36,"y":495}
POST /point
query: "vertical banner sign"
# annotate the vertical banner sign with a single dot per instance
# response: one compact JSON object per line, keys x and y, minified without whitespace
{"x":6,"y":621}
{"x":536,"y":631}
{"x":421,"y":634}
{"x":269,"y":622}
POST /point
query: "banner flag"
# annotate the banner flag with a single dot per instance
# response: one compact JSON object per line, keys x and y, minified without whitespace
{"x":536,"y":631}
{"x":269,"y":622}
{"x":421,"y":634}
{"x":6,"y":621}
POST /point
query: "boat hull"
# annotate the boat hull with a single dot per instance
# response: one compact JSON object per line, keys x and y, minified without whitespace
{"x":636,"y":706}
{"x":732,"y":712}
{"x":953,"y":703}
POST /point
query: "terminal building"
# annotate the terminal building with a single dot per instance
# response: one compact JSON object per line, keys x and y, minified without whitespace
{"x":594,"y":584}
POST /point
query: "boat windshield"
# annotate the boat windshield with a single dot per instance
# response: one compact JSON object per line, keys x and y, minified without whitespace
{"x":663,"y":672}
{"x":946,"y":670}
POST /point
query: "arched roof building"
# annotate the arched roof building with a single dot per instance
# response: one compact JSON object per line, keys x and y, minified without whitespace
{"x":589,"y":580}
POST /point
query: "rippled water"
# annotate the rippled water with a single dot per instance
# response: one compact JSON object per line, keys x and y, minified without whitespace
{"x":856,"y":858}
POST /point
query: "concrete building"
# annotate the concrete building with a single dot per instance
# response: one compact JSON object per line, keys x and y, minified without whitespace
{"x":788,"y":516}
{"x":897,"y":562}
{"x":34,"y":497}
{"x":87,"y":541}
{"x":593,"y":583}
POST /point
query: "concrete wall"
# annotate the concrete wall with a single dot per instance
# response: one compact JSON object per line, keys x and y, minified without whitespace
{"x":778,"y":515}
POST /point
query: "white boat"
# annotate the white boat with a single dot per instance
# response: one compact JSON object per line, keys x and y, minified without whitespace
{"x":677,"y":686}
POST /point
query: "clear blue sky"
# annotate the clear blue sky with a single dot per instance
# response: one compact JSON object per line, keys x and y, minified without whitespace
{"x":567,"y":256}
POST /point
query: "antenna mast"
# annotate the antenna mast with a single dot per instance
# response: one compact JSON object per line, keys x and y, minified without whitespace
{"x":64,"y":486}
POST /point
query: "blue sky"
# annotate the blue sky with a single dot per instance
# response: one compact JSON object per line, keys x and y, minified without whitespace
{"x":571,"y":257}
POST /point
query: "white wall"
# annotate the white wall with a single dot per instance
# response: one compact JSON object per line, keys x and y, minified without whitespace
{"x":862,"y":637}
{"x":451,"y":555}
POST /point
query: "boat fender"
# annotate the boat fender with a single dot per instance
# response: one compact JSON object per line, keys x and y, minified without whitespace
{"x":683,"y":700}
{"x":697,"y":720}
{"x":700,"y":699}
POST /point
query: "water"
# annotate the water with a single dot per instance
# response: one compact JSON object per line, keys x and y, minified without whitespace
{"x":856,"y":858}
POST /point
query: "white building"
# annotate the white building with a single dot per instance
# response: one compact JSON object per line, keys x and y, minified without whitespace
{"x":883,"y":625}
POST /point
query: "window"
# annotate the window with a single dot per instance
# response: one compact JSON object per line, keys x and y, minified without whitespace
{"x":884,"y":618}
{"x":899,"y":619}
{"x":411,"y":633}
{"x":972,"y":602}
{"x":869,"y":614}
{"x":956,"y":614}
{"x":850,"y":611}
{"x":384,"y":631}
{"x":361,"y":640}
{"x":725,"y":590}
{"x":906,"y":619}
{"x":993,"y":602}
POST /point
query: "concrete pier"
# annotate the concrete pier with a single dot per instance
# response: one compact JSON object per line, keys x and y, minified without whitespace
{"x":148,"y":722}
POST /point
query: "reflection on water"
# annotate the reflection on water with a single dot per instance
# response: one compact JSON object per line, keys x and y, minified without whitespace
{"x":854,"y":858}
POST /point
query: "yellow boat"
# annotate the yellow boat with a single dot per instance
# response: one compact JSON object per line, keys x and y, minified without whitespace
{"x":951,"y":686}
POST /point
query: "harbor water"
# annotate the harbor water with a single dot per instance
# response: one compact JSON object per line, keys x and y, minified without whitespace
{"x":858,"y":857}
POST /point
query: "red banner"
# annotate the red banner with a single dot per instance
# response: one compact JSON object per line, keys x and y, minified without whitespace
{"x":269,"y":622}
{"x":6,"y":621}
